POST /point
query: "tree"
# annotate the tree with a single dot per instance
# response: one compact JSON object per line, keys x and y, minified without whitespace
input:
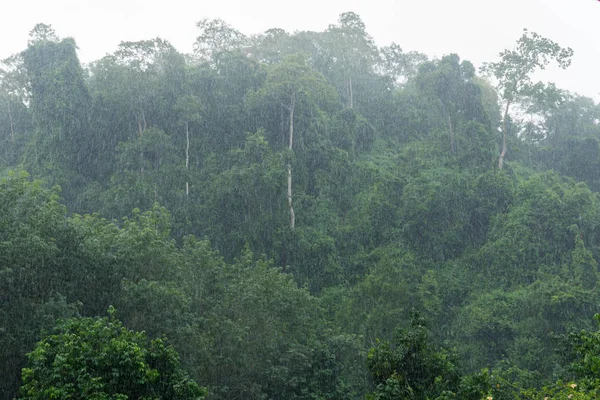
{"x":42,"y":33}
{"x":216,"y":37}
{"x":513,"y":72}
{"x":60,"y":106}
{"x":449,"y":87}
{"x":289,"y":85}
{"x":245,"y":202}
{"x":154,"y":74}
{"x":582,"y":349}
{"x":255,"y":333}
{"x":15,"y":116}
{"x":399,"y":65}
{"x":99,"y":358}
{"x":352,"y":54}
{"x":190,"y":108}
{"x":564,"y":135}
{"x":149,"y":170}
{"x":134,"y":89}
{"x":37,"y":274}
{"x":414,"y":369}
{"x":436,"y":213}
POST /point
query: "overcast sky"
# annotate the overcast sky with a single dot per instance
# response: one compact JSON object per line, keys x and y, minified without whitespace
{"x":475,"y":29}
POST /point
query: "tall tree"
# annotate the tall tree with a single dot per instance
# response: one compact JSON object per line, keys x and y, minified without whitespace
{"x":352,"y":54}
{"x":399,"y":65}
{"x":190,"y":108}
{"x":289,"y":85}
{"x":216,"y":37}
{"x":133,"y":89}
{"x":15,"y":117}
{"x":513,"y":72}
{"x":448,"y":85}
{"x":60,"y":105}
{"x":36,"y":271}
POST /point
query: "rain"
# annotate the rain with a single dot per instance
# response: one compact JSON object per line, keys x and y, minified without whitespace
{"x":300,"y":209}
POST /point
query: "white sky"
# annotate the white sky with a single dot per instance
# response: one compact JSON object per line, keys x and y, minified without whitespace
{"x":475,"y":29}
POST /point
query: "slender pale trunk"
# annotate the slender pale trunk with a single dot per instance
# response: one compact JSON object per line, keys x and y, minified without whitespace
{"x":141,"y":129}
{"x":283,"y":120}
{"x":289,"y":195}
{"x":187,"y":155}
{"x":289,"y":166}
{"x":504,"y":134}
{"x":141,"y":120}
{"x":350,"y":91}
{"x":451,"y":133}
{"x":11,"y":123}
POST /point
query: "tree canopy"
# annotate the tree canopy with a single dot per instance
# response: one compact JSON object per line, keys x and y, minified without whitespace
{"x":304,"y":215}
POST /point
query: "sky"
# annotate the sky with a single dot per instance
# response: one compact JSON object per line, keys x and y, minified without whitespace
{"x":477,"y":30}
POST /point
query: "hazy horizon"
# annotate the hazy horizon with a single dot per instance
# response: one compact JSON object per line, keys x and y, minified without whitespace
{"x":476,"y":31}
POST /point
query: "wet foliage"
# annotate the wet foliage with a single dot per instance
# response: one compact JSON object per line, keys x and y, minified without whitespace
{"x":302,"y":215}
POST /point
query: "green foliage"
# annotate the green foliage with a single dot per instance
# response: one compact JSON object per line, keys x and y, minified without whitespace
{"x":60,"y":106}
{"x":414,"y":369}
{"x":436,"y":213}
{"x":101,"y":359}
{"x":447,"y":86}
{"x":560,"y":391}
{"x":382,"y":299}
{"x":584,"y":347}
{"x":149,"y":171}
{"x":513,"y":72}
{"x":36,"y":260}
{"x":244,"y":201}
{"x":533,"y":51}
{"x":259,"y":334}
{"x":389,"y":161}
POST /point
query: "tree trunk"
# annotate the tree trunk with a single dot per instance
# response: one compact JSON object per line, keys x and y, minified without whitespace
{"x":504,"y":134}
{"x":451,"y":134}
{"x":350,"y":91}
{"x":141,"y":120}
{"x":187,"y":155}
{"x":283,"y":120}
{"x":289,"y":166}
{"x":141,"y":129}
{"x":12,"y":125}
{"x":289,"y":195}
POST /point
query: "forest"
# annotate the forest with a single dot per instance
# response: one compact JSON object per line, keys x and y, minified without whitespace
{"x":296,"y":216}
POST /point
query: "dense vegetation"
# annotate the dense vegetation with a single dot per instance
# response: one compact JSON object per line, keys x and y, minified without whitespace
{"x":303,"y":215}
